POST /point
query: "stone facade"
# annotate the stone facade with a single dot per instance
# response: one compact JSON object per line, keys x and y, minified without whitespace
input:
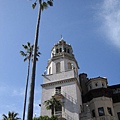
{"x":81,"y":98}
{"x":102,"y":100}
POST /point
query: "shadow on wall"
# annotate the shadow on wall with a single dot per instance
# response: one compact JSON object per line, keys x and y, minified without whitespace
{"x":70,"y":103}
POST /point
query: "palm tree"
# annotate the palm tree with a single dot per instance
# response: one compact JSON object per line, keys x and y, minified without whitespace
{"x":54,"y":118}
{"x":11,"y":116}
{"x":45,"y":118}
{"x":41,"y":118}
{"x":42,"y":6}
{"x":28,"y":54}
{"x":52,"y":104}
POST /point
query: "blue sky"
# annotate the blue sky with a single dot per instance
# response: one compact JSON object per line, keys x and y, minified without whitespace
{"x":92,"y":27}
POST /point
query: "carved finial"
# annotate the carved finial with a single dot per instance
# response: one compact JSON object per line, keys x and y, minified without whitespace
{"x":45,"y":72}
{"x":61,"y":37}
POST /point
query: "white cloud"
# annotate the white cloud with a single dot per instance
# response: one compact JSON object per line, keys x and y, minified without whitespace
{"x":110,"y":16}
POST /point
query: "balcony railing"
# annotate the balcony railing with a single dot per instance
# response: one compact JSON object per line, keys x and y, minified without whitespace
{"x":58,"y":113}
{"x":58,"y":91}
{"x":68,"y":117}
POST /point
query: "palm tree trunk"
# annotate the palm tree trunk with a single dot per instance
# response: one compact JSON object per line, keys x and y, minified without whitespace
{"x":32,"y":85}
{"x":26,"y":88}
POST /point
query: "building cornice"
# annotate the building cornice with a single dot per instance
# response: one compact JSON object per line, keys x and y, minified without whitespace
{"x":61,"y":82}
{"x":58,"y":82}
{"x":96,"y":79}
{"x":61,"y":56}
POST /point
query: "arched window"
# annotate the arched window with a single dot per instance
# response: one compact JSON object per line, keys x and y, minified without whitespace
{"x":60,"y":49}
{"x":96,"y":84}
{"x":69,"y":66}
{"x":102,"y":84}
{"x":50,"y":70}
{"x":68,"y":50}
{"x":90,"y":86}
{"x":57,"y":50}
{"x":58,"y":109}
{"x":64,"y":49}
{"x":58,"y":69}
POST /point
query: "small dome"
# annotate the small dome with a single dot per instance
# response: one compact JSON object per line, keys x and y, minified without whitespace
{"x":61,"y":48}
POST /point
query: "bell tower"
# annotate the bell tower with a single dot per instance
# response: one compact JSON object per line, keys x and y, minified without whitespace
{"x":62,"y":82}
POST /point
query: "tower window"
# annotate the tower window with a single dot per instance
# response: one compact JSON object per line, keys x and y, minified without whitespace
{"x":58,"y":90}
{"x":96,"y":84}
{"x":101,"y":111}
{"x":118,"y":115}
{"x":69,"y":66}
{"x":58,"y":109}
{"x":109,"y":110}
{"x":56,"y":50}
{"x":58,"y":67}
{"x":68,"y":51}
{"x":50,"y":70}
{"x":90,"y":87}
{"x":60,"y":49}
{"x":64,"y":49}
{"x":93,"y":113}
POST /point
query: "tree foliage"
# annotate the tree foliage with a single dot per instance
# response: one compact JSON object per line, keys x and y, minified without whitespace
{"x":46,"y":118}
{"x":10,"y":116}
{"x":28,"y":55}
{"x":44,"y":5}
{"x":52,"y":104}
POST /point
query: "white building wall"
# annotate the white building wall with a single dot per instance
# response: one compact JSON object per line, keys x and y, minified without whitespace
{"x":102,"y":102}
{"x":47,"y":92}
{"x":71,"y":103}
{"x":79,"y":99}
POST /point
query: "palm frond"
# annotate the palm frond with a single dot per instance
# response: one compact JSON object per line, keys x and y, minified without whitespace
{"x":11,"y":116}
{"x":28,"y":43}
{"x":4,"y":117}
{"x":34,"y":5}
{"x":44,"y":5}
{"x":22,"y":53}
{"x":28,"y":54}
{"x":25,"y":46}
{"x":50,"y":2}
{"x":38,"y":53}
{"x":25,"y":59}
